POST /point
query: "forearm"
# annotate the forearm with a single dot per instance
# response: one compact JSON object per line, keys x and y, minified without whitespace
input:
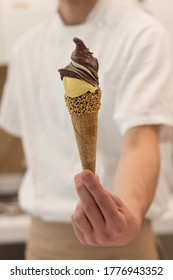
{"x":137,"y":173}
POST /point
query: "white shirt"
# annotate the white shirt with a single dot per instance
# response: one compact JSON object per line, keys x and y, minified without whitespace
{"x":136,"y":79}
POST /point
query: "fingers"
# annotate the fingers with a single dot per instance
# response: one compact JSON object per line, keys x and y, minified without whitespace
{"x":80,"y":219}
{"x":89,"y":205}
{"x":78,"y":233}
{"x":82,"y":226}
{"x":100,"y":195}
{"x":100,"y":218}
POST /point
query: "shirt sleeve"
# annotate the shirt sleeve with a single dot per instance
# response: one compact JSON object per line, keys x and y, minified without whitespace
{"x":9,"y":111}
{"x":145,"y":92}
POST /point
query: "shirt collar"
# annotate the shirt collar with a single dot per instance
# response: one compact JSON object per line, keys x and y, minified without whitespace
{"x":96,"y":16}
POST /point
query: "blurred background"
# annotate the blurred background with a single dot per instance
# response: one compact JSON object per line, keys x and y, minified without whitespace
{"x":16,"y":17}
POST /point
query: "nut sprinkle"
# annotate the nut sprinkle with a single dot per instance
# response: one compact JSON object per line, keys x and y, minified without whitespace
{"x":85,"y":103}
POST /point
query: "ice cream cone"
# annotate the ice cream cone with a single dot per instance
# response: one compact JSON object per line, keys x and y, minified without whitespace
{"x":84,"y":115}
{"x":83,"y":100}
{"x":85,"y":129}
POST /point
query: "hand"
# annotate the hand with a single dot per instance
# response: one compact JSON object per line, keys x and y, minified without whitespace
{"x":101,"y":218}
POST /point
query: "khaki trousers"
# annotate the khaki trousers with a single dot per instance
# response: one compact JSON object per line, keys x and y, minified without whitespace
{"x":57,"y":241}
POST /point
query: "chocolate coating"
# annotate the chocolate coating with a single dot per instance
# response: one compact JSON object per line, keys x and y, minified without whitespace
{"x":82,"y":56}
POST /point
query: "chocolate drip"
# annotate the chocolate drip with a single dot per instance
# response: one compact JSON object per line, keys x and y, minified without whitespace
{"x":82,"y":56}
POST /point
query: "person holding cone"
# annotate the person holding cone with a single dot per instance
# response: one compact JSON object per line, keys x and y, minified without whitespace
{"x":109,"y":214}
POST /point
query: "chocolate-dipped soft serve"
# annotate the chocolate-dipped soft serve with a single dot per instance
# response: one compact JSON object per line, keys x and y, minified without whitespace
{"x":83,"y":65}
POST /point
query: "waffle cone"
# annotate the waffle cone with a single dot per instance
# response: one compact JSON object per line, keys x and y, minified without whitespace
{"x":85,"y":128}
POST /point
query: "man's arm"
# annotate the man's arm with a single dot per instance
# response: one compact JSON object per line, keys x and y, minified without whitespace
{"x":138,"y":169}
{"x":114,"y":219}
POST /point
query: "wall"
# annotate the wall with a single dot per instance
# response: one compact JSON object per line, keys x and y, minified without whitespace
{"x":16,"y":17}
{"x":11,"y":152}
{"x":2,"y":49}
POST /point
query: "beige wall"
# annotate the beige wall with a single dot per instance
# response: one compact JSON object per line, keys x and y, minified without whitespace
{"x":18,"y":16}
{"x":11,"y":153}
